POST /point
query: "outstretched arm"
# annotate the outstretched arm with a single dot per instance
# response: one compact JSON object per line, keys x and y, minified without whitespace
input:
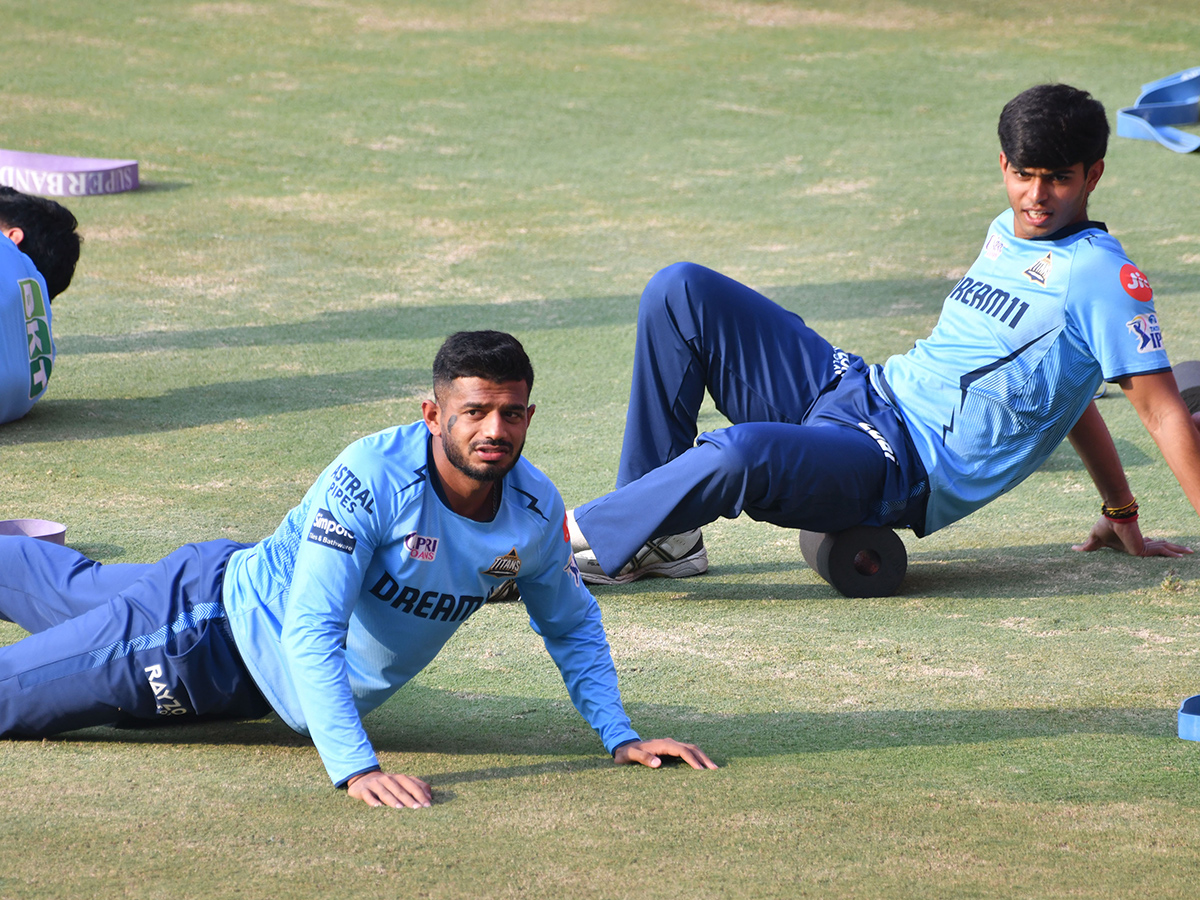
{"x":1091,"y":439}
{"x":1165,"y":415}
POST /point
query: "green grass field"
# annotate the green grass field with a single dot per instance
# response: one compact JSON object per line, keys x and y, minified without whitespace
{"x":332,"y":186}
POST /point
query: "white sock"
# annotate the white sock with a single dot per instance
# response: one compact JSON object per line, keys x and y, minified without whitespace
{"x":578,"y":541}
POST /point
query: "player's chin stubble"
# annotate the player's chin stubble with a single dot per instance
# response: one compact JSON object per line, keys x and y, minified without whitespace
{"x":478,"y":473}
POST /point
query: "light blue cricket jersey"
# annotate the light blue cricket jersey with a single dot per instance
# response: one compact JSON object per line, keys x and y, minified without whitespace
{"x":26,"y":345}
{"x":365,"y":580}
{"x":1022,"y":343}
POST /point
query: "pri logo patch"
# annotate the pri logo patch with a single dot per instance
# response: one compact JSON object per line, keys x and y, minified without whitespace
{"x":1039,"y":272}
{"x":1145,"y":329}
{"x":506,"y":566}
{"x":326,"y":530}
{"x":1136,"y":284}
{"x":421,"y":548}
{"x":993,"y":248}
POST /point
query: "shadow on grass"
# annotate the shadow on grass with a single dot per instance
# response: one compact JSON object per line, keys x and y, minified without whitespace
{"x":771,"y":734}
{"x":158,"y":187}
{"x":1038,"y":570}
{"x":426,"y":720}
{"x":1018,"y":571}
{"x":834,"y":301}
{"x":842,"y":300}
{"x":82,"y":420}
{"x":379,"y":323}
{"x":98,"y":550}
{"x":528,"y":770}
{"x":1064,"y":459}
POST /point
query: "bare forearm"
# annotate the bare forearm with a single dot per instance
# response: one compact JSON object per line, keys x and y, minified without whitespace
{"x":1179,"y":443}
{"x":1166,"y":417}
{"x":1094,"y":444}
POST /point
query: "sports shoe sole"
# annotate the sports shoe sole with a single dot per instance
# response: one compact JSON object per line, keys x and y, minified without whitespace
{"x":692,"y":564}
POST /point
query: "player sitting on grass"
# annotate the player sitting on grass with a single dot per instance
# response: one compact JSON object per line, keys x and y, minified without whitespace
{"x":822,"y":441}
{"x":406,"y":534}
{"x":38,"y":252}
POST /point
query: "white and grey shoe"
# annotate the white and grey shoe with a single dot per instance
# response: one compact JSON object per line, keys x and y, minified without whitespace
{"x":670,"y":556}
{"x":505,"y":593}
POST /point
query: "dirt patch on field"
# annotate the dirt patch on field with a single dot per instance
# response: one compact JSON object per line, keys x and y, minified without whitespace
{"x":496,"y":16}
{"x":884,"y":17}
{"x":838,"y":188}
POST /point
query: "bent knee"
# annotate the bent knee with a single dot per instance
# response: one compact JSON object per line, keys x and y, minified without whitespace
{"x":678,"y":293}
{"x":670,"y":283}
{"x":733,"y":453}
{"x":675,"y":274}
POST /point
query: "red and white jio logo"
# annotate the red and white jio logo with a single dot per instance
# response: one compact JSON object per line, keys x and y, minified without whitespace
{"x":1136,"y":284}
{"x":421,"y":548}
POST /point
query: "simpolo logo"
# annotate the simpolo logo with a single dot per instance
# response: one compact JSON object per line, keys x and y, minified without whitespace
{"x":327,"y":530}
{"x":421,"y":548}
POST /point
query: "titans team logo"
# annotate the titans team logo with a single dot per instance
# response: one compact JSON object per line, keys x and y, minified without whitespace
{"x":1145,"y":329}
{"x":506,"y":566}
{"x":1040,"y":270}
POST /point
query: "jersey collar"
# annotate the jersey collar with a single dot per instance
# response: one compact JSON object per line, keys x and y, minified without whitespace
{"x":1067,"y":230}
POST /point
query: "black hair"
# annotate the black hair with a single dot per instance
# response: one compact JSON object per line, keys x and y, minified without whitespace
{"x":491,"y":355}
{"x":1053,"y":126}
{"x":50,"y":237}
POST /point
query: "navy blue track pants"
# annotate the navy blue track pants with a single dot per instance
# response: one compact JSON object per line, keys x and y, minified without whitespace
{"x":113,"y":643}
{"x":812,"y":445}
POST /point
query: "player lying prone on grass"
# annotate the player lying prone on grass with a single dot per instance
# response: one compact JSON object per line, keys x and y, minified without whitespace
{"x":39,"y":248}
{"x":406,"y":534}
{"x":823,"y":441}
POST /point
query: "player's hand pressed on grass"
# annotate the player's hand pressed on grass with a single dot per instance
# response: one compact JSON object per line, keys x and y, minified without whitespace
{"x":1127,"y":538}
{"x":649,"y":753}
{"x":386,"y":789}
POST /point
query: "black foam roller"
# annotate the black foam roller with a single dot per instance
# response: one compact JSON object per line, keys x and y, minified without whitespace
{"x":864,"y":561}
{"x":1187,"y":376}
